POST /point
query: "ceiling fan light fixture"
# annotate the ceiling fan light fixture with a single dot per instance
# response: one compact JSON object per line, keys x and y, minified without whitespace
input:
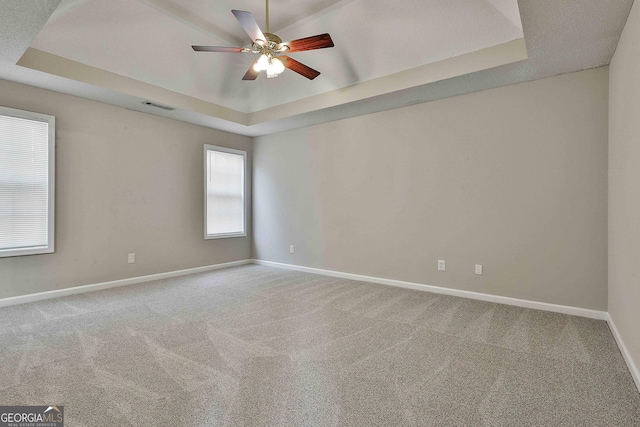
{"x":271,"y":64}
{"x":277,"y":65}
{"x":275,"y":68}
{"x":262,"y":64}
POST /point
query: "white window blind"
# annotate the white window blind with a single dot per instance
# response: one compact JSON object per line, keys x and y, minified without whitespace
{"x":225,"y":199}
{"x":26,"y":182}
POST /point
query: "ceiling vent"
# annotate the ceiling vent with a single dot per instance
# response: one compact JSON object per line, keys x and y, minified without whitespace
{"x":164,"y":107}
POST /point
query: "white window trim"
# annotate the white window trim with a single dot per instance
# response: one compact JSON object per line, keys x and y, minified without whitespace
{"x":51,"y":120}
{"x":246,"y":192}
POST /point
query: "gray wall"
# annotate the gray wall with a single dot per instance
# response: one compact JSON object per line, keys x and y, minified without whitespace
{"x":624,"y":186}
{"x":125,"y":182}
{"x":513,"y":178}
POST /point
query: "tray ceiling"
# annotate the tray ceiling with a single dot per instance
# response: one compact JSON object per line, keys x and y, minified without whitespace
{"x":387,"y":54}
{"x":150,"y":41}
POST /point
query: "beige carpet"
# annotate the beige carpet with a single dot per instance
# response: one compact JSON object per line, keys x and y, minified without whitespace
{"x":256,"y":346}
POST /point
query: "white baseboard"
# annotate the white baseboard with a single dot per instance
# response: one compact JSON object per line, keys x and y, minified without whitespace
{"x":625,"y":352}
{"x":22,"y":299}
{"x":576,"y":311}
{"x":593,"y":314}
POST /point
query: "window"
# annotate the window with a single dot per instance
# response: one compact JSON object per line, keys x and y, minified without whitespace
{"x":224,"y":192}
{"x":27,"y":162}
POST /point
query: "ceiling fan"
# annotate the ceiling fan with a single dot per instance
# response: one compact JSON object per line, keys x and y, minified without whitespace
{"x":270,"y":48}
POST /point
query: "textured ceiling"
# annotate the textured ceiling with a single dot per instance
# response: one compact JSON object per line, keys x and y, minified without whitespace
{"x":561,"y":36}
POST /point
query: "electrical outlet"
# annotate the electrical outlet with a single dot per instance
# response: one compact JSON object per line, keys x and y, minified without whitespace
{"x":292,"y":249}
{"x":131,"y":259}
{"x":478,"y":268}
{"x":441,"y":265}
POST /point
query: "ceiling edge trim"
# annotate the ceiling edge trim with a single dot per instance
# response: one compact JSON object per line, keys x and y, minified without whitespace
{"x":483,"y":59}
{"x":52,"y":64}
{"x":491,"y":57}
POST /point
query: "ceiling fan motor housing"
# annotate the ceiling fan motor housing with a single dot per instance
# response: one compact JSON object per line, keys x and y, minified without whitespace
{"x":271,"y":46}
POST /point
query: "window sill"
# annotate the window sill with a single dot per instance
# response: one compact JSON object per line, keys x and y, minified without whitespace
{"x":224,"y":236}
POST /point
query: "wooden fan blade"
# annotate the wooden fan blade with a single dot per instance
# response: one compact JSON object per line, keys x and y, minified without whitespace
{"x":249,"y":24}
{"x":217,"y":49}
{"x":321,"y":41}
{"x":299,"y":67}
{"x":251,"y":74}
